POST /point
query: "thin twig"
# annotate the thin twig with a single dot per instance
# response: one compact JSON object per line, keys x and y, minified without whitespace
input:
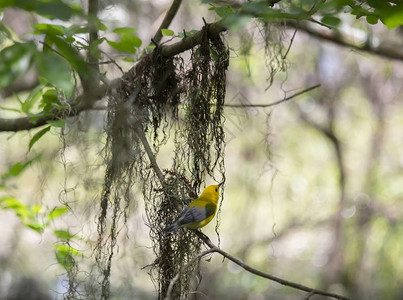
{"x":248,"y":268}
{"x":52,"y":49}
{"x":150,"y":154}
{"x":93,"y":7}
{"x":292,"y":40}
{"x":167,"y":20}
{"x":140,"y":133}
{"x":274,"y":103}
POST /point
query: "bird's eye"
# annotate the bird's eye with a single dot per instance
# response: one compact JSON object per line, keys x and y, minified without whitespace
{"x":216,"y":190}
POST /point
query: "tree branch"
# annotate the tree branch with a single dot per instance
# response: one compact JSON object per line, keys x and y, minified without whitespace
{"x":26,"y":123}
{"x":191,"y":41}
{"x":274,"y":103}
{"x":85,"y":103}
{"x":214,"y":248}
{"x":167,"y":20}
{"x":339,"y":39}
{"x":150,"y":154}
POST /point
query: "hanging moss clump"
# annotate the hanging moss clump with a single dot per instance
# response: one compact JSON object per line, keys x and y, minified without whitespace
{"x":158,"y":100}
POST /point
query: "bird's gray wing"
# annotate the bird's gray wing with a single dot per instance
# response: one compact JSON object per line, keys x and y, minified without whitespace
{"x":195,"y":214}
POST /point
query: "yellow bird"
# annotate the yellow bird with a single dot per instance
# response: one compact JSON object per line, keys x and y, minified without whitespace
{"x":199,"y":212}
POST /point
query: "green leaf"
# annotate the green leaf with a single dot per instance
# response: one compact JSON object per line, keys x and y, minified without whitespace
{"x":32,"y":98}
{"x":63,"y":234}
{"x":20,"y":209}
{"x":379,"y":4}
{"x":128,"y":59}
{"x":50,"y":100}
{"x":124,"y":47}
{"x":128,"y":40}
{"x":37,"y":136}
{"x":70,"y":53}
{"x":100,"y":26}
{"x":392,"y":17}
{"x":56,"y":10}
{"x":45,"y":28}
{"x":360,"y":11}
{"x":17,"y":168}
{"x":67,"y":248}
{"x":65,"y":259}
{"x":57,"y":123}
{"x":124,"y":30}
{"x":224,"y":11}
{"x":167,"y":32}
{"x":64,"y":256}
{"x":11,"y":203}
{"x":5,"y":33}
{"x":371,"y":19}
{"x":56,"y":71}
{"x":27,"y":214}
{"x":15,"y":61}
{"x":75,"y":29}
{"x":36,"y":226}
{"x":331,"y":21}
{"x":150,"y":47}
{"x":57,"y":212}
{"x":36,"y":209}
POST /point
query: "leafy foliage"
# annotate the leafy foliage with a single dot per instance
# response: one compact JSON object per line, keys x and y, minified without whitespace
{"x":167,"y":32}
{"x":129,"y":42}
{"x":388,"y":12}
{"x":64,"y":253}
{"x":53,"y":9}
{"x":14,"y":61}
{"x":32,"y":216}
{"x":55,"y":71}
{"x":16,"y":170}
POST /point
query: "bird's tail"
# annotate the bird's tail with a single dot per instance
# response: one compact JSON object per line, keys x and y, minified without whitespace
{"x":171,"y":227}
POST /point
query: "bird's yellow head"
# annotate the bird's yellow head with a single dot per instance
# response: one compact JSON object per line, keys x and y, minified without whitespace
{"x":212,"y":193}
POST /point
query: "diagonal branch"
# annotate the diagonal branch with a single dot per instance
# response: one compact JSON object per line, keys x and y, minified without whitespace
{"x":248,"y":268}
{"x":340,"y":39}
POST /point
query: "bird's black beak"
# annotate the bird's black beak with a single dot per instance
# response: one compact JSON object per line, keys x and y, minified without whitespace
{"x":220,"y":184}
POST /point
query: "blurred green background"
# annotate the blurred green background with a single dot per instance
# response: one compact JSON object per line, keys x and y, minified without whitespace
{"x":313,"y":190}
